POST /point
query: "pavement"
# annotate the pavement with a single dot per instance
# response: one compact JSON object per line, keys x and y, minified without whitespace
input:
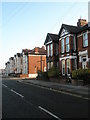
{"x":82,"y":91}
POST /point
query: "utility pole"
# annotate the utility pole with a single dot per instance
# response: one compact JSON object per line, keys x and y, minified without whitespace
{"x":41,"y":63}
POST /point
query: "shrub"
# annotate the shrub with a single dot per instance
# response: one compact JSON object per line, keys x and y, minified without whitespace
{"x":42,"y":75}
{"x":83,"y":74}
{"x":53,"y":72}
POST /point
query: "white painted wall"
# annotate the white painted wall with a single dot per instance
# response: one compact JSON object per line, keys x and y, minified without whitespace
{"x":11,"y":66}
{"x":33,"y":75}
{"x":18,"y":64}
{"x":25,"y":64}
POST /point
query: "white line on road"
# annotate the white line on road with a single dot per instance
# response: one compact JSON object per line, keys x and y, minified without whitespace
{"x":4,"y":85}
{"x":49,"y":112}
{"x":17,"y":93}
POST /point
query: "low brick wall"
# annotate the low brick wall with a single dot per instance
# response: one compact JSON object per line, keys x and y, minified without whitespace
{"x":58,"y":80}
{"x":77,"y":82}
{"x":24,"y":76}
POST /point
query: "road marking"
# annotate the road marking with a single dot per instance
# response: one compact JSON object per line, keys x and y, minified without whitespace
{"x":17,"y":93}
{"x":4,"y":85}
{"x":49,"y":112}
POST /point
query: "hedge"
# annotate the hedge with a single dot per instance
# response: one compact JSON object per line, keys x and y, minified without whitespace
{"x":81,"y":74}
{"x":53,"y":72}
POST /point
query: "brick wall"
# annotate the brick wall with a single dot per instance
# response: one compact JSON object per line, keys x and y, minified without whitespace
{"x":34,"y":63}
{"x":81,"y":48}
{"x":80,"y":43}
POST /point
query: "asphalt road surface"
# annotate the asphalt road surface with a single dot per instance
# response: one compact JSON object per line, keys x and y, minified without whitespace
{"x":20,"y":100}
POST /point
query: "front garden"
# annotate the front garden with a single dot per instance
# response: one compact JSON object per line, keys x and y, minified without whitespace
{"x":78,"y":77}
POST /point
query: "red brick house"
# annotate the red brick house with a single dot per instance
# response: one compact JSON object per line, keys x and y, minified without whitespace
{"x":83,"y":42}
{"x":52,"y":46}
{"x":74,"y":47}
{"x":33,"y":61}
{"x":67,"y":49}
{"x":36,"y":61}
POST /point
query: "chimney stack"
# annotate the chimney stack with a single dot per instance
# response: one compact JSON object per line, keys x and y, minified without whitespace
{"x":43,"y":47}
{"x":36,"y":49}
{"x":81,"y":22}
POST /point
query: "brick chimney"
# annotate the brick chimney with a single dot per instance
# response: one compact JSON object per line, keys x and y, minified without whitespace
{"x":81,"y":22}
{"x":36,"y":49}
{"x":43,"y":47}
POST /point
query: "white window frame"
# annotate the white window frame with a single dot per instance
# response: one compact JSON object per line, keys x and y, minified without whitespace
{"x":62,"y":45}
{"x":85,"y":39}
{"x":67,"y":44}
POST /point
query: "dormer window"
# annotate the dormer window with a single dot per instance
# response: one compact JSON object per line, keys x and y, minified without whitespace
{"x":85,"y":39}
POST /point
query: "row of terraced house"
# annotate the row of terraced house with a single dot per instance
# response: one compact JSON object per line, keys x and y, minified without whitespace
{"x":70,"y":48}
{"x":27,"y":63}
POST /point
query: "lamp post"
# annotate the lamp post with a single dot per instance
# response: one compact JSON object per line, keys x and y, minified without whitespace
{"x":35,"y":69}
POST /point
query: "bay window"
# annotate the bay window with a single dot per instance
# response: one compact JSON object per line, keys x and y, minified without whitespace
{"x":63,"y":67}
{"x":68,"y":66}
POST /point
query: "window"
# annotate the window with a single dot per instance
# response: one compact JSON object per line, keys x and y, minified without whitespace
{"x":48,"y":50}
{"x":68,"y":66}
{"x":51,"y":64}
{"x":85,"y":39}
{"x":74,"y":64}
{"x":57,"y":64}
{"x":74,"y":43}
{"x":63,"y":67}
{"x":62,"y":45}
{"x":67,"y":44}
{"x":51,"y":50}
{"x":48,"y":65}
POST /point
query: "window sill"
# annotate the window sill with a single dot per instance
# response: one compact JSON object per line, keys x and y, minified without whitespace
{"x":85,"y":46}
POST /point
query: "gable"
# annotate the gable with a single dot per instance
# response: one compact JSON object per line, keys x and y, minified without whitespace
{"x":64,"y":32}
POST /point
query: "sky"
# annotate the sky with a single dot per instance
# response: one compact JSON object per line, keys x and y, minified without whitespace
{"x":26,"y":24}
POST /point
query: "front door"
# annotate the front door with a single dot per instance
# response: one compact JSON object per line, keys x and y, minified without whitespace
{"x":83,"y":65}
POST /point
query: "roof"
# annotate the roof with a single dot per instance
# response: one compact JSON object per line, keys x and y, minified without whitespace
{"x":83,"y":28}
{"x":26,"y":51}
{"x":35,"y":51}
{"x":51,"y":37}
{"x":19,"y":54}
{"x":69,"y":28}
{"x":11,"y":58}
{"x":73,"y":29}
{"x":38,"y":51}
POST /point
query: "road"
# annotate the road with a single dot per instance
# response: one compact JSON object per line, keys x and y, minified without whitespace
{"x":20,"y":100}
